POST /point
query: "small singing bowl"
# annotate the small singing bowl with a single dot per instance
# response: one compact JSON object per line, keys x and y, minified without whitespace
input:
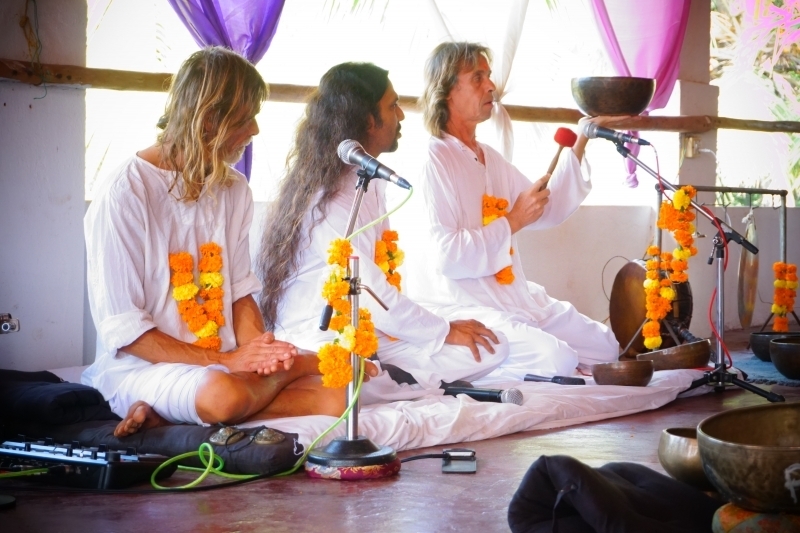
{"x":785,"y":354}
{"x":629,"y":373}
{"x":759,"y":342}
{"x":614,"y":95}
{"x":690,"y":355}
{"x":680,"y":457}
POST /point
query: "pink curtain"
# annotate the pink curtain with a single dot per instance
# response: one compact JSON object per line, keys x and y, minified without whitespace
{"x":644,"y":40}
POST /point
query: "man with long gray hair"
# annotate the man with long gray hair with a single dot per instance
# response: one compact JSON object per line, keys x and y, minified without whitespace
{"x":476,"y":202}
{"x":180,"y":338}
{"x":355,"y":101}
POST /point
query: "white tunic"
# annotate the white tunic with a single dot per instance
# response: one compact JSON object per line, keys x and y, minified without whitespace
{"x":131,"y":227}
{"x":467,"y":254}
{"x":420,"y":348}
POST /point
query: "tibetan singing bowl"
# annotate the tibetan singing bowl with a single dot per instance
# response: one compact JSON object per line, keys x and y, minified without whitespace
{"x":752,"y":456}
{"x":785,"y":354}
{"x":615,"y":95}
{"x":759,"y":342}
{"x":630,"y":373}
{"x":678,"y":454}
{"x":689,"y":355}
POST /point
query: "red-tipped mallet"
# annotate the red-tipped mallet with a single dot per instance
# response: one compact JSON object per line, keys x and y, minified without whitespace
{"x":565,"y":138}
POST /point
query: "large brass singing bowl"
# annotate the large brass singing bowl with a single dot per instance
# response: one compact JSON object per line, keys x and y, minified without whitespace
{"x":689,"y":355}
{"x":613,"y":95}
{"x":752,"y":456}
{"x":680,"y":457}
{"x":630,"y":373}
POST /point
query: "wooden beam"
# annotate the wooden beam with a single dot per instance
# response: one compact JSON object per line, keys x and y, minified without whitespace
{"x":125,"y":80}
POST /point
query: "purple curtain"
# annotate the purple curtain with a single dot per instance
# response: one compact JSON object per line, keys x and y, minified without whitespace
{"x":644,"y":39}
{"x":245,"y":26}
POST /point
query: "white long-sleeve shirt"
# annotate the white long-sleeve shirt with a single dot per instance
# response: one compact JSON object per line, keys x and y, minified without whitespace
{"x":300,"y":308}
{"x":131,"y":227}
{"x":466,"y":254}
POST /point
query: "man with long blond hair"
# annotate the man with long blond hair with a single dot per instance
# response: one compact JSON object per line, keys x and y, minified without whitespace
{"x":476,"y":203}
{"x":355,"y":101}
{"x":180,"y":338}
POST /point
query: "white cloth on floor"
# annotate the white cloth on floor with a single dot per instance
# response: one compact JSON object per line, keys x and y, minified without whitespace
{"x":419,"y":348}
{"x":131,"y":227}
{"x":546,"y":336}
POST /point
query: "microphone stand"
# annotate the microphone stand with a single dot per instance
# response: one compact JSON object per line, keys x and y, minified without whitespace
{"x":353,"y":456}
{"x":719,"y":376}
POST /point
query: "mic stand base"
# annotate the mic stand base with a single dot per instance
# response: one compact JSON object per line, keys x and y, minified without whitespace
{"x":719,"y":377}
{"x":352,"y":459}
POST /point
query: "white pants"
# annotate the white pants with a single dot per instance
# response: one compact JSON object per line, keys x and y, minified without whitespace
{"x":554,"y":346}
{"x":169,"y":388}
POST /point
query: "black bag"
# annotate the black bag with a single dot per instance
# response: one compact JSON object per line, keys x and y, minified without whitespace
{"x":560,"y":494}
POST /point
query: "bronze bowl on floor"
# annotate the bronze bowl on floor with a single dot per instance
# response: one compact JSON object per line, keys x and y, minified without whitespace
{"x":752,"y":456}
{"x":678,"y":454}
{"x":785,"y":355}
{"x":613,"y":95}
{"x":689,"y":355}
{"x":630,"y":373}
{"x":759,"y":342}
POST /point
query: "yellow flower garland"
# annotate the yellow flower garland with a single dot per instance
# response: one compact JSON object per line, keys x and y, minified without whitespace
{"x":676,"y":216}
{"x":204,"y":320}
{"x":334,"y":357}
{"x":785,"y":292}
{"x":494,"y":208}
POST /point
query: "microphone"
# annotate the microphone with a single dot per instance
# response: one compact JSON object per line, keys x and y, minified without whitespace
{"x":592,"y":131}
{"x":565,"y":138}
{"x":488,"y":395}
{"x":352,"y":153}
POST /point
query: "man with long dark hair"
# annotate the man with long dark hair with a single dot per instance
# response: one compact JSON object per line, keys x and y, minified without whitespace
{"x":354,"y":101}
{"x":180,"y":338}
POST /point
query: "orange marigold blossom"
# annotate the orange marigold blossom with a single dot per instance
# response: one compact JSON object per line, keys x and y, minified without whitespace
{"x":785,"y":293}
{"x":494,"y":208}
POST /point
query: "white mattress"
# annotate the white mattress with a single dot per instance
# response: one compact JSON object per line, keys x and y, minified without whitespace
{"x":433,"y":420}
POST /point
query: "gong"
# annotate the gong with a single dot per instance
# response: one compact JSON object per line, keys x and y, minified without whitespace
{"x":627,"y":310}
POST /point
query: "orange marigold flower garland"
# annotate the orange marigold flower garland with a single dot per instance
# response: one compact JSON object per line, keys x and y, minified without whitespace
{"x":204,"y":320}
{"x":389,"y":257}
{"x":677,"y":217}
{"x":659,"y":295}
{"x":494,"y":208}
{"x":785,"y":292}
{"x":334,"y":357}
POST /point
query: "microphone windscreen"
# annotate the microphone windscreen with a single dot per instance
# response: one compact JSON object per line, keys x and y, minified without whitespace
{"x":345,"y":147}
{"x":565,"y":137}
{"x":511,"y":396}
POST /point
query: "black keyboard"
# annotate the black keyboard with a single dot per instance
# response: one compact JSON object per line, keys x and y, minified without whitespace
{"x":76,"y":466}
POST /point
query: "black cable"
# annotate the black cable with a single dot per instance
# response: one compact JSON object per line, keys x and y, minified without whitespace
{"x":425,"y":456}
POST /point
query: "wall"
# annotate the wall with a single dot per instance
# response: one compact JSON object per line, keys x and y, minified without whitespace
{"x":41,"y":195}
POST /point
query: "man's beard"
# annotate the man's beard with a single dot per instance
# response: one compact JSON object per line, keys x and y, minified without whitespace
{"x":234,"y":158}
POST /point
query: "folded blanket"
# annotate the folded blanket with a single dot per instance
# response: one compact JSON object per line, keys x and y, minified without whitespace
{"x":562,"y":495}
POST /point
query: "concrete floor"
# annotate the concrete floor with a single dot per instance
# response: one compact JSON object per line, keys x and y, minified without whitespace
{"x":420,"y":499}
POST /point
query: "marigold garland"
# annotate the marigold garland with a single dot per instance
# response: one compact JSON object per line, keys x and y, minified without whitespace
{"x":334,"y":357}
{"x":785,"y":292}
{"x":204,"y":320}
{"x":659,"y":295}
{"x":676,"y":216}
{"x":494,"y":208}
{"x":389,"y":257}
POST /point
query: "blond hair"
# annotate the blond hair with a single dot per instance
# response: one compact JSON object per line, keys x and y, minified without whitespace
{"x":214,"y":92}
{"x":441,"y":74}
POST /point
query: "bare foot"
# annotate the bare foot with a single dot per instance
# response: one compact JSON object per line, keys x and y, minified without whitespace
{"x":140,"y":416}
